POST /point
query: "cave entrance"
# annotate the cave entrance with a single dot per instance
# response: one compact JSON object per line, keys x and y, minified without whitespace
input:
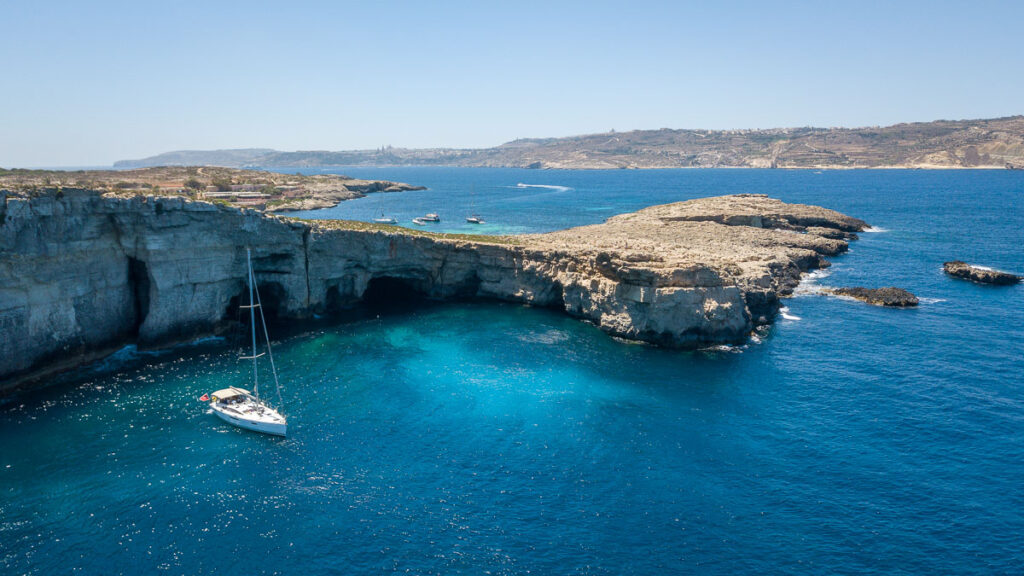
{"x":394,"y":295}
{"x":272,"y":298}
{"x":138,"y":278}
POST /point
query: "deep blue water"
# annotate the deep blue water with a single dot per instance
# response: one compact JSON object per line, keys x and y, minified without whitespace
{"x":491,"y":438}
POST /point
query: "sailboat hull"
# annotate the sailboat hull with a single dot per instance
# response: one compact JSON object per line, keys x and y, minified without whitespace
{"x":275,"y":424}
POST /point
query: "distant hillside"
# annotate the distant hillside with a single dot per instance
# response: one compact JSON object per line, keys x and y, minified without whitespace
{"x":995,"y":143}
{"x":227,"y":158}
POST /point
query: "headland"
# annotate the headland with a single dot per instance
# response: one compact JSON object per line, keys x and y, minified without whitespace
{"x":84,"y":271}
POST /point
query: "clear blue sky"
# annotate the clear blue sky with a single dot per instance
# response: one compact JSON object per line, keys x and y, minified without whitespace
{"x":87,"y":83}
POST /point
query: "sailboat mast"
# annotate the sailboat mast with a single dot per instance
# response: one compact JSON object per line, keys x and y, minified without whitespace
{"x":252,"y":323}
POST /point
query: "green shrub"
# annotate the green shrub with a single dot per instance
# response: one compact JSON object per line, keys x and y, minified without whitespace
{"x":222,"y":184}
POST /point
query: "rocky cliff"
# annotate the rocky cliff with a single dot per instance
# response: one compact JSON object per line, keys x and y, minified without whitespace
{"x":82,"y":273}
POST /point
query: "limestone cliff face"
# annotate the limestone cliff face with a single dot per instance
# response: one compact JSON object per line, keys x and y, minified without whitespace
{"x":82,"y":273}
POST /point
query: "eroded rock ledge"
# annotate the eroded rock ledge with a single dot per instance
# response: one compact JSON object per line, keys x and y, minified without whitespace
{"x":82,"y":273}
{"x":980,"y":274}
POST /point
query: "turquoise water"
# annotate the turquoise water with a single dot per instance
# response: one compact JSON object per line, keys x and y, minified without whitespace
{"x":493,"y":438}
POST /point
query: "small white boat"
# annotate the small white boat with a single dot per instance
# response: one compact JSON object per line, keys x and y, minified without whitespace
{"x":474,"y":219}
{"x":419,"y":221}
{"x":431,"y":218}
{"x":238,"y":406}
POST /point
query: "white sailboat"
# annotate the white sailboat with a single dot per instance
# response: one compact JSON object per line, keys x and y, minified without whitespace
{"x":473,"y":218}
{"x":384,"y":219}
{"x":238,"y":406}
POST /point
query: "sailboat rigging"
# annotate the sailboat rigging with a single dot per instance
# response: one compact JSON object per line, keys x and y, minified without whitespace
{"x":384,"y":219}
{"x":473,"y":218}
{"x":237,"y":406}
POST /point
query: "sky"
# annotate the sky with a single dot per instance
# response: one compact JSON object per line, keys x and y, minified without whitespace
{"x":88,"y":83}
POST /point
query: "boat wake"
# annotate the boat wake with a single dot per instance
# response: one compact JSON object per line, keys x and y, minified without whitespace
{"x":546,"y":186}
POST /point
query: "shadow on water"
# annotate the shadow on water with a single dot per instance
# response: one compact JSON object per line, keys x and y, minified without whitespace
{"x":385,"y":297}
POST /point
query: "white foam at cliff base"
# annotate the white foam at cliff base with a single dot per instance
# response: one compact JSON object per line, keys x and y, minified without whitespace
{"x":875,"y":229}
{"x":931,"y":300}
{"x":784,"y":311}
{"x":809,"y":282}
{"x":988,"y":268}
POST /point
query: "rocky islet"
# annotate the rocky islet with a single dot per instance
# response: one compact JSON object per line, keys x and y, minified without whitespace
{"x":889,"y":296}
{"x":979,"y":274}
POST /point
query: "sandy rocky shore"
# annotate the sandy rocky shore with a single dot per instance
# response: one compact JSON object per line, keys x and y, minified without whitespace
{"x":84,"y":272}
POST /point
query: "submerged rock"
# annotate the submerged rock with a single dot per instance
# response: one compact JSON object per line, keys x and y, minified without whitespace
{"x":888,"y":296}
{"x":958,"y":269}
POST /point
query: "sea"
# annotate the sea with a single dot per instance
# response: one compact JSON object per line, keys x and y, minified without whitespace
{"x":491,"y":438}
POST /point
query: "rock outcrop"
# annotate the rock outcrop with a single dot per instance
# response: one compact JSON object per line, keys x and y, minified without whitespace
{"x":958,"y":269}
{"x":82,"y":273}
{"x":888,"y":296}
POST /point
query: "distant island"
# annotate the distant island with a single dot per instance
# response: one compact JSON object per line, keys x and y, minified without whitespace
{"x":993,"y":143}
